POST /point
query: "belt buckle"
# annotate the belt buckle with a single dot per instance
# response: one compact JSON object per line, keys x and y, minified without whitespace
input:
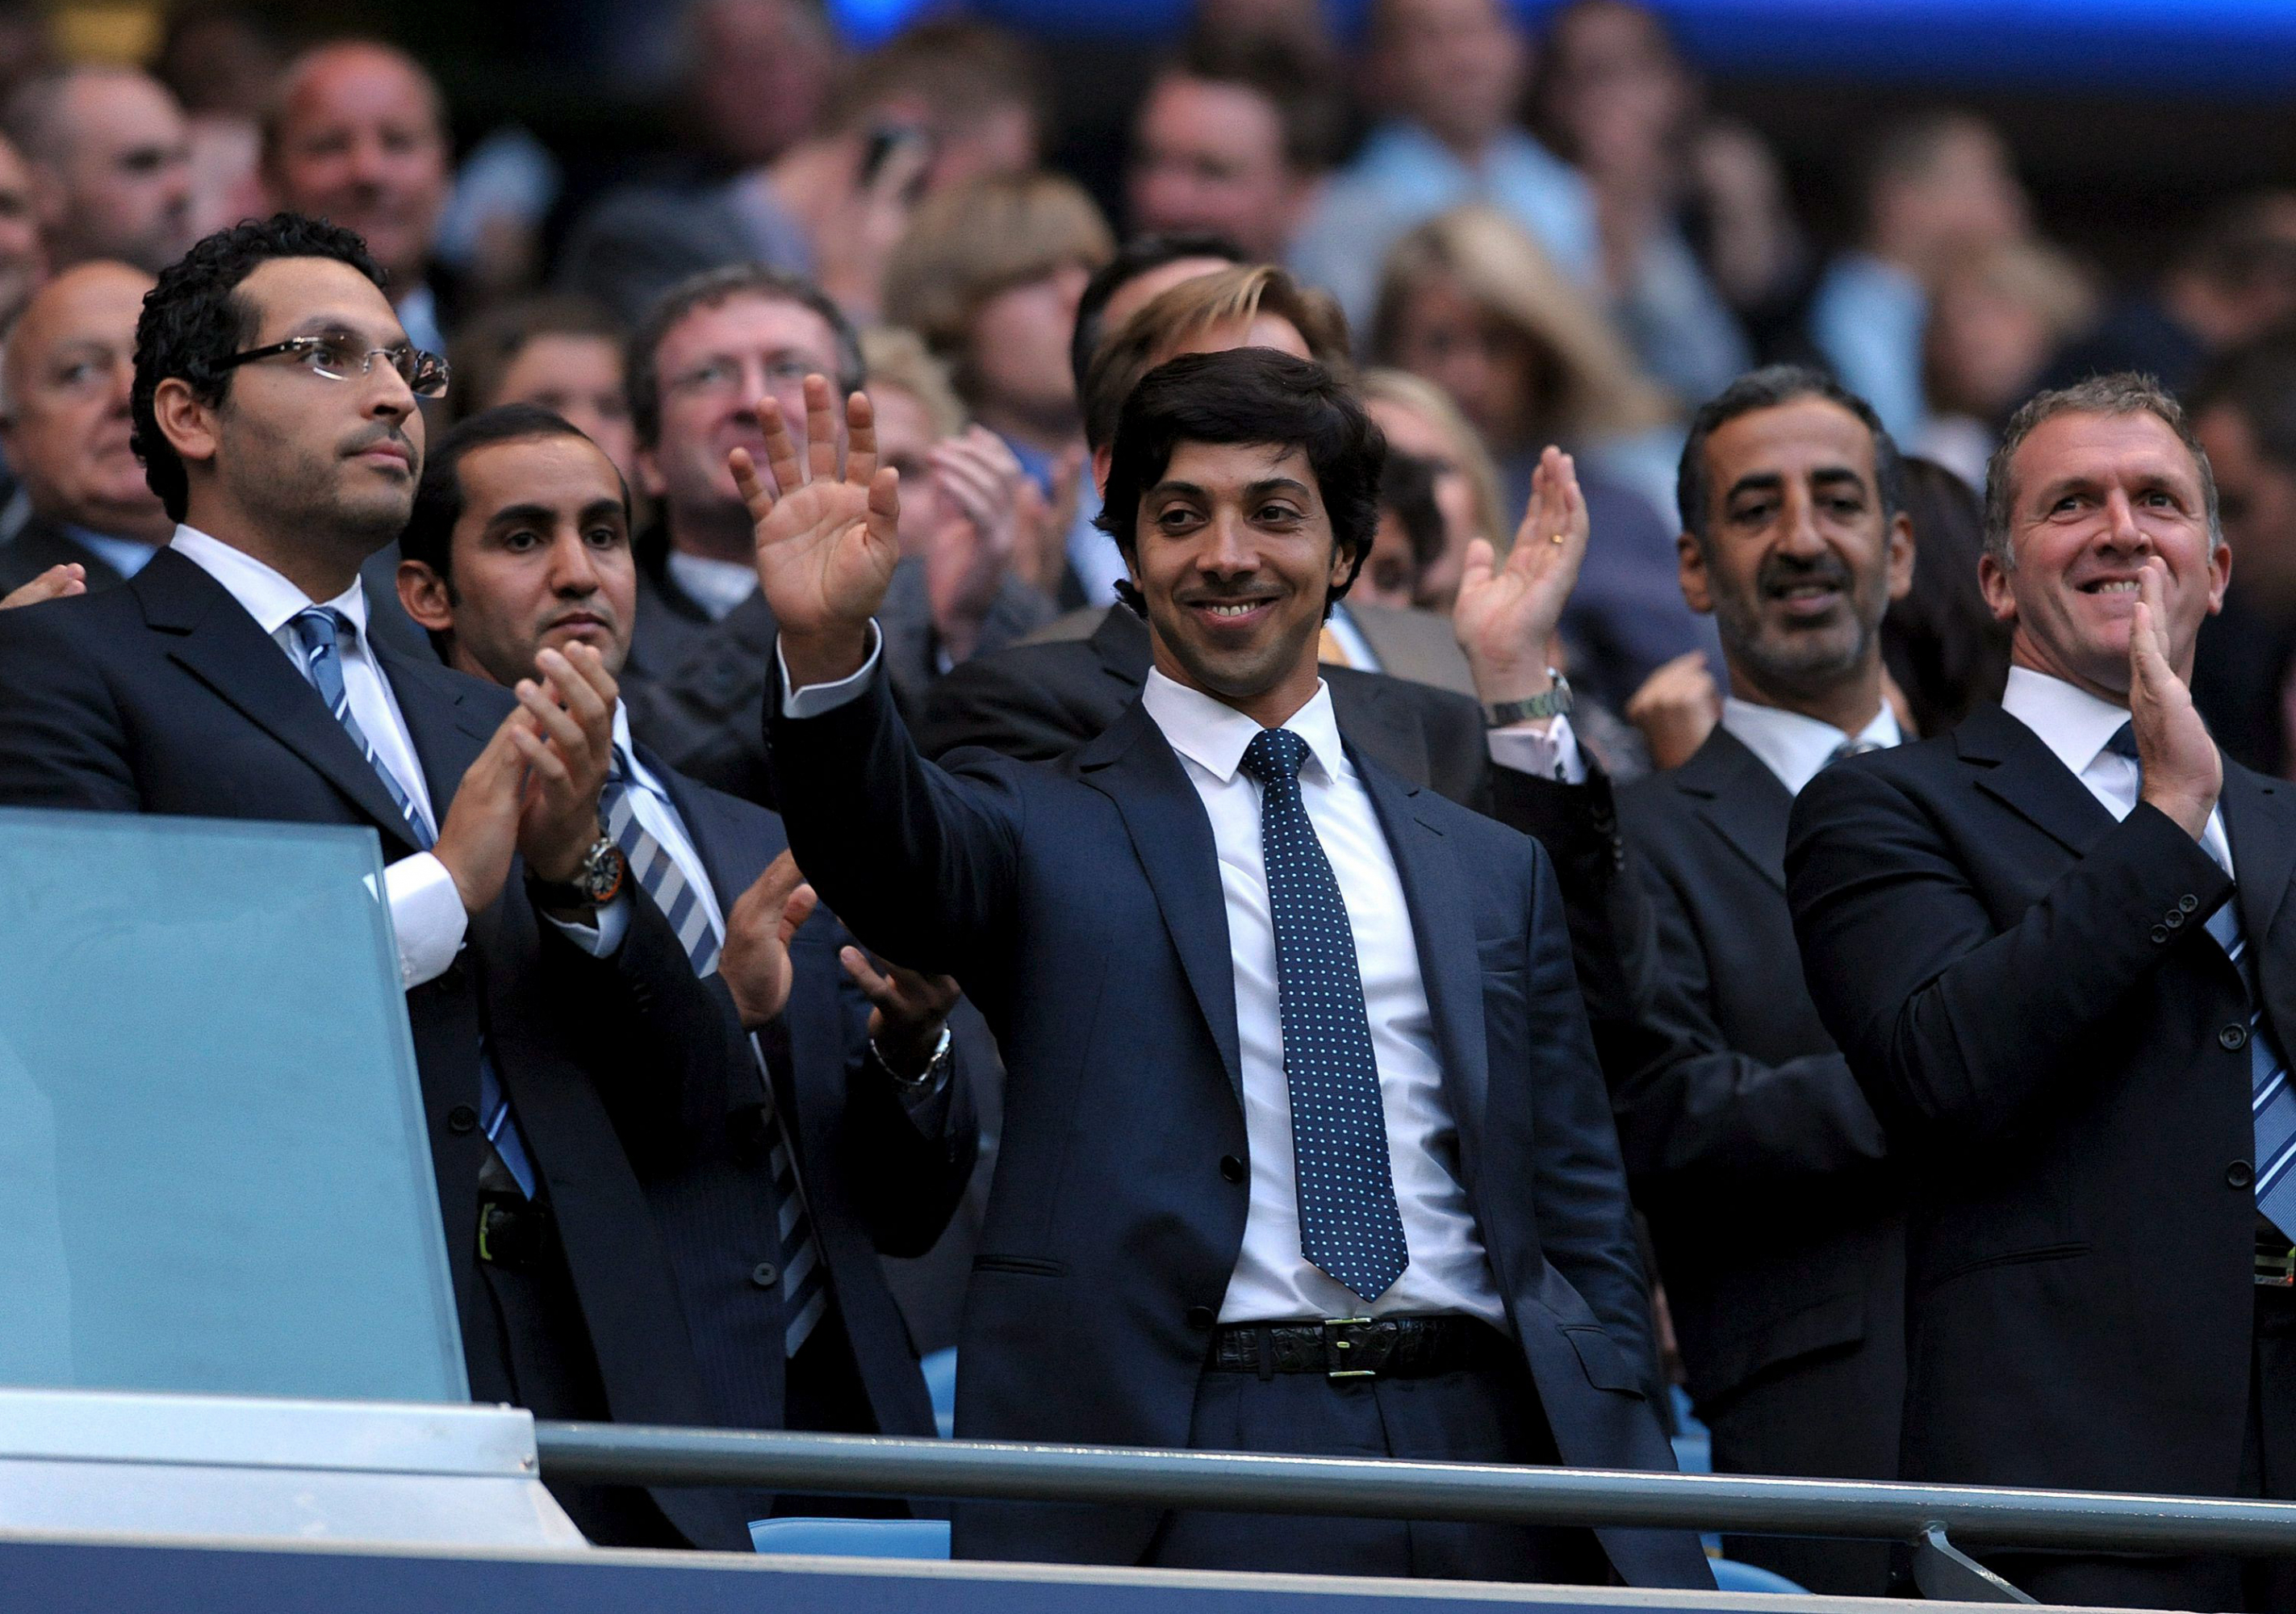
{"x":2276,"y":1267}
{"x":1334,"y":1344}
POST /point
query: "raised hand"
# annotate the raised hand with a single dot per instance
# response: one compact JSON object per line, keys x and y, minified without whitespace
{"x":755,"y":961}
{"x":1677,"y":709}
{"x":480,"y":831}
{"x":568,"y":751}
{"x":2182,"y":771}
{"x":983,"y":482}
{"x":911,"y":1009}
{"x":826,"y":546}
{"x":56,"y":583}
{"x":1505,"y":614}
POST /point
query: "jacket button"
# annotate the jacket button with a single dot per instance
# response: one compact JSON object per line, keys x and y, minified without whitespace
{"x":1202,"y":1316}
{"x":765,"y":1274}
{"x":461,"y":1118}
{"x":1230,"y":1169}
{"x":2189,"y":903}
{"x":2240,"y":1174}
{"x":2174,"y":918}
{"x":2160,"y":933}
{"x":2234,"y":1036}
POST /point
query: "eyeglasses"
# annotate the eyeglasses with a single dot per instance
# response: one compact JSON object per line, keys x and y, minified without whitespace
{"x":338,"y":359}
{"x":783,"y":372}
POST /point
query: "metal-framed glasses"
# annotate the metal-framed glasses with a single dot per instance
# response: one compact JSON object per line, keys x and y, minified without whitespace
{"x":339,"y":359}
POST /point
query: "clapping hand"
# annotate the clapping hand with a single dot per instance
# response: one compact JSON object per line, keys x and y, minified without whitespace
{"x":2182,"y":770}
{"x":826,"y":546}
{"x":1675,"y":708}
{"x":755,"y":961}
{"x":985,"y":486}
{"x":567,"y":747}
{"x":1506,"y":614}
{"x":911,"y":1009}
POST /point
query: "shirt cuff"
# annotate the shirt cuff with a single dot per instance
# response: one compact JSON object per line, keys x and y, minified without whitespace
{"x":600,"y":936}
{"x":815,"y":699}
{"x":427,"y":913}
{"x":1552,"y":755}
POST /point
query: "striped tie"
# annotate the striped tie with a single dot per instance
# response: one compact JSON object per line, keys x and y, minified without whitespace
{"x":2272,"y":1103}
{"x":319,"y":632}
{"x":804,"y":1283}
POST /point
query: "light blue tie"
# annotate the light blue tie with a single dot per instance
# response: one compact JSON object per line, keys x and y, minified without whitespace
{"x":803,"y":1281}
{"x":319,"y":632}
{"x":1349,"y":1225}
{"x":2272,"y":1103}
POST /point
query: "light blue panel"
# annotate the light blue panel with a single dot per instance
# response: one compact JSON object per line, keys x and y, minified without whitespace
{"x":214,"y":1173}
{"x":926,"y":1538}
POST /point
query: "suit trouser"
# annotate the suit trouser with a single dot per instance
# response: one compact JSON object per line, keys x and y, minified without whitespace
{"x":1830,"y":1415}
{"x":1477,"y":1416}
{"x":2267,"y":1469}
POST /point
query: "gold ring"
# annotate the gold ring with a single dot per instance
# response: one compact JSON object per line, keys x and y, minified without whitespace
{"x":1557,"y":538}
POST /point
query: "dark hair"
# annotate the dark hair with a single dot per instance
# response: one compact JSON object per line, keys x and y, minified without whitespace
{"x":1407,"y":486}
{"x":2123,"y":392}
{"x":1250,"y":395}
{"x":429,"y":535}
{"x":1294,"y":83}
{"x":481,"y":351}
{"x":1142,"y":255}
{"x":2256,"y":381}
{"x":707,"y":290}
{"x":1941,"y":642}
{"x":194,"y":320}
{"x":1768,"y":389}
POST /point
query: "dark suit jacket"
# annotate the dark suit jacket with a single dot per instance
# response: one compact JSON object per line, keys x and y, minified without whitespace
{"x":1038,"y":700}
{"x":40,"y":544}
{"x":2027,"y":993}
{"x":1081,"y":906}
{"x":874,"y":1181}
{"x":696,"y":689}
{"x":164,"y":696}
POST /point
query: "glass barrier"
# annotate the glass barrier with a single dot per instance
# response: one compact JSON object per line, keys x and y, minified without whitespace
{"x":214,"y":1173}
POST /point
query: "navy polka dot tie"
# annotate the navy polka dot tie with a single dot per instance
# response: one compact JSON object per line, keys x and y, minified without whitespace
{"x":1349,"y":1223}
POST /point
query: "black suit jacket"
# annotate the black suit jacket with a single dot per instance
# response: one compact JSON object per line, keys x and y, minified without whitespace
{"x":2027,"y":993}
{"x":40,"y":544}
{"x":164,"y":696}
{"x":1081,"y":904}
{"x":1038,"y":700}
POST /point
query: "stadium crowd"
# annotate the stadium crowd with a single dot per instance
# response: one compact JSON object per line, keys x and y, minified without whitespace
{"x":1450,"y":783}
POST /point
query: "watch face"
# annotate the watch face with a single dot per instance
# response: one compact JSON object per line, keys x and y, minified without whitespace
{"x":601,"y":871}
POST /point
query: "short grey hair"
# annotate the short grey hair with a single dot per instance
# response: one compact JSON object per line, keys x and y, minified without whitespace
{"x":2123,"y":392}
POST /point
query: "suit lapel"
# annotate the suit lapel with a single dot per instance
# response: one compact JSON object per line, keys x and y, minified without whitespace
{"x":1136,"y":767}
{"x":1375,"y":717}
{"x":442,"y":719}
{"x":2261,"y":822}
{"x":2016,"y":769}
{"x":1442,"y":925}
{"x":222,"y":646}
{"x":1741,"y":800}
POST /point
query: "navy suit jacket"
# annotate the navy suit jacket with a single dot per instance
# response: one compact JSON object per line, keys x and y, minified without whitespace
{"x":1081,"y":904}
{"x":163,"y":695}
{"x":2027,"y":992}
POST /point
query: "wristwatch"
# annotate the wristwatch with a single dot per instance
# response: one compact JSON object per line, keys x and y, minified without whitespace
{"x":597,"y":879}
{"x":1554,"y":703}
{"x":922,"y":1078}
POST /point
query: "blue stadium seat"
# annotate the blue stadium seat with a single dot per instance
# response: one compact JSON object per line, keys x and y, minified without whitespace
{"x":940,"y":1384}
{"x":1693,"y":1445}
{"x":1731,"y":1576}
{"x":852,"y":1537}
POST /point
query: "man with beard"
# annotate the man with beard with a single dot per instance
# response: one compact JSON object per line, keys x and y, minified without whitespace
{"x":1774,"y":1209}
{"x":109,"y":159}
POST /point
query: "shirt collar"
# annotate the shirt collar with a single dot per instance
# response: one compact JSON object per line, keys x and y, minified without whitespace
{"x":716,"y":586}
{"x":1213,"y":734}
{"x":1795,"y":747}
{"x":267,"y":593}
{"x":2072,"y":723}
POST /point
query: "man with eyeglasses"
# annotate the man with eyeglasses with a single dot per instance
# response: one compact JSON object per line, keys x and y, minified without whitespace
{"x":64,"y":375}
{"x":274,"y":409}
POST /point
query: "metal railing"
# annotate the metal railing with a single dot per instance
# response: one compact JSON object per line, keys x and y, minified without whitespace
{"x":1931,"y":1519}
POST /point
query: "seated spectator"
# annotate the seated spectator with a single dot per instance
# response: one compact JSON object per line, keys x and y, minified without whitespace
{"x":221,"y":63}
{"x":1941,"y":643}
{"x":1615,"y":98}
{"x":564,"y":353}
{"x":357,"y":134}
{"x":1470,"y":303}
{"x":990,"y":275}
{"x":2244,"y":408}
{"x":1997,"y":318}
{"x":1418,"y":417}
{"x":1409,"y":534}
{"x":65,"y":374}
{"x":1934,"y":188}
{"x":1448,"y":76}
{"x":1740,"y":217}
{"x":110,"y":163}
{"x":23,"y":260}
{"x":1232,"y":137}
{"x":945,"y":103}
{"x":2229,"y":282}
{"x":762,"y":74}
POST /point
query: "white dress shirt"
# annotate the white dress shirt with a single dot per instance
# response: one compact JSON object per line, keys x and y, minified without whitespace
{"x":716,"y":586}
{"x":1448,"y":1271}
{"x":426,"y":909}
{"x":650,"y":804}
{"x":1795,"y":747}
{"x":2075,"y":725}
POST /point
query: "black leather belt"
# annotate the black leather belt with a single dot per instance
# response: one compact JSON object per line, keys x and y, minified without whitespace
{"x":513,"y":1231}
{"x":1358,"y":1348}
